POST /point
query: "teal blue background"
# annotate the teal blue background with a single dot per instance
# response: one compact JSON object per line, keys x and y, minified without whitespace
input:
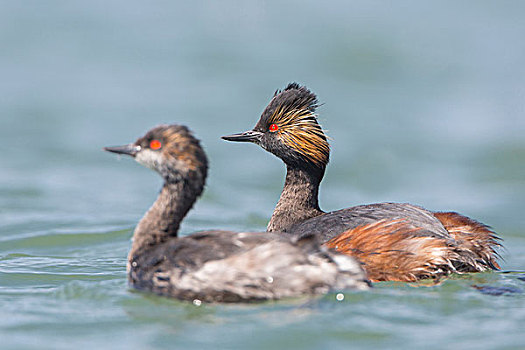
{"x":424,"y":102}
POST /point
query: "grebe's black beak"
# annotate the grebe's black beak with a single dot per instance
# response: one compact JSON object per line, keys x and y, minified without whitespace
{"x":247,"y":136}
{"x":130,"y":150}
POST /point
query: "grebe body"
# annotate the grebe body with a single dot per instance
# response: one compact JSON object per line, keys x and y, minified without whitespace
{"x":394,"y":241}
{"x":218,"y":266}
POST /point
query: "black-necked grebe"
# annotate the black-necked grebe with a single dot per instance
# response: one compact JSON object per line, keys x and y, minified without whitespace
{"x":218,"y":266}
{"x":394,"y":241}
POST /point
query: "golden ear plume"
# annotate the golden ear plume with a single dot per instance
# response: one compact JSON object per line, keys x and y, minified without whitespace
{"x":299,"y":130}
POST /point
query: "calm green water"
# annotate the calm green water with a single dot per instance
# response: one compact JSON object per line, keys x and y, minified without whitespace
{"x":425,"y":104}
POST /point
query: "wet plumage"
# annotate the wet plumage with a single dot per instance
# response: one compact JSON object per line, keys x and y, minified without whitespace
{"x":218,"y":266}
{"x":394,"y":241}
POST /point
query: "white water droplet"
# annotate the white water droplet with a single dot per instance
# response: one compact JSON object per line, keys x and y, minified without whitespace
{"x":197,"y":302}
{"x":340,"y":297}
{"x":269,"y":279}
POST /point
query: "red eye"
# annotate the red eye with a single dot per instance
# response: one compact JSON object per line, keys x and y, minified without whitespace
{"x":155,"y":145}
{"x":273,"y":128}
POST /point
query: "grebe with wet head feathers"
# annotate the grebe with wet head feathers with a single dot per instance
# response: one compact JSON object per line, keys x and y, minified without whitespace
{"x":394,"y":241}
{"x":218,"y":266}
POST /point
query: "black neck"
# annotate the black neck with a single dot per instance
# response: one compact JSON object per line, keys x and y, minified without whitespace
{"x":299,"y":198}
{"x":164,"y":217}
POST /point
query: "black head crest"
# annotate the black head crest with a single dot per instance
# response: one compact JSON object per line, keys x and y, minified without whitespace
{"x":293,"y":96}
{"x":291,"y":116}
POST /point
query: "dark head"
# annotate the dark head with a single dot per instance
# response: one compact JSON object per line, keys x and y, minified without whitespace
{"x":289,"y":129}
{"x":172,"y":151}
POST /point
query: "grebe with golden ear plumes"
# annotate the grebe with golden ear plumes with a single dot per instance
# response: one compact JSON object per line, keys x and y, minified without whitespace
{"x":394,"y":241}
{"x":218,"y":266}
